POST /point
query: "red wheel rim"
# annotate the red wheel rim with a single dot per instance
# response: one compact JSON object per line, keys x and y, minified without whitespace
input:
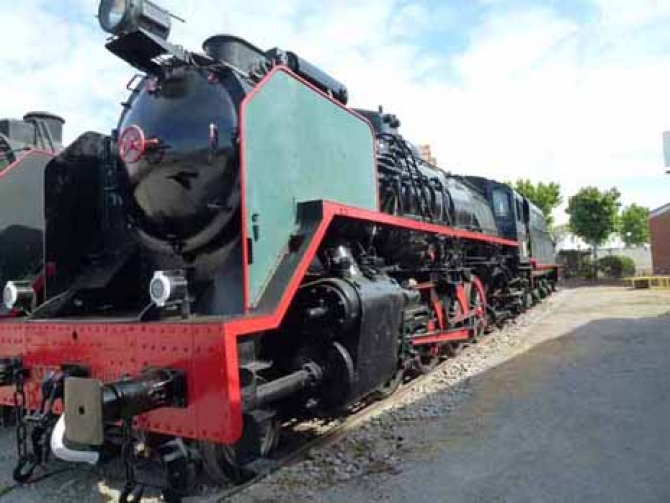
{"x":132,"y":144}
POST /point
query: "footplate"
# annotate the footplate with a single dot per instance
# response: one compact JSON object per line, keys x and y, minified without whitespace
{"x":83,"y":411}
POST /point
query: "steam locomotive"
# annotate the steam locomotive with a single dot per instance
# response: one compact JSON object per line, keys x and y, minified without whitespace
{"x":26,"y":146}
{"x":242,"y":250}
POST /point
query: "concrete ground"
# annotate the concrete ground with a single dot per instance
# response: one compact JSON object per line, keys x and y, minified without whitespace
{"x":572,"y":403}
{"x":584,"y":416}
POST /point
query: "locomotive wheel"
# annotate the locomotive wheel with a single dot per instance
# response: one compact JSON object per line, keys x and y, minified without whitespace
{"x":536,"y":296}
{"x":390,"y":387}
{"x":477,"y":331}
{"x":428,"y":358}
{"x":479,"y":321}
{"x":224,"y":463}
{"x":452,"y":349}
{"x":528,"y":300}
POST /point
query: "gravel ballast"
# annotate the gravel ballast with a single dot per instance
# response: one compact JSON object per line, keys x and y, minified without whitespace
{"x":382,"y":445}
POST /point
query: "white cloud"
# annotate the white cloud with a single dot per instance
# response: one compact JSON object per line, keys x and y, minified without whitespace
{"x":546,"y":98}
{"x":531,"y":94}
{"x":48,"y":64}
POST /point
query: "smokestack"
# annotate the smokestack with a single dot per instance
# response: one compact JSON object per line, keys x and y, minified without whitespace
{"x":233,"y":50}
{"x":53,"y":122}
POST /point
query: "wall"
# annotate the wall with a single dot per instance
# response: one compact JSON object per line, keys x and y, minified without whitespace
{"x":641,"y":256}
{"x":659,"y":225}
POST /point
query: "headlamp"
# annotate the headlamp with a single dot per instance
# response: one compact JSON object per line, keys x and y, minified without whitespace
{"x":19,"y":295}
{"x":125,"y":16}
{"x":168,"y":288}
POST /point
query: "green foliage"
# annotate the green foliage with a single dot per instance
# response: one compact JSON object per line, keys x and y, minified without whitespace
{"x":615,"y":266}
{"x":576,"y":263}
{"x":546,"y":196}
{"x":587,"y":269}
{"x":579,"y":264}
{"x":594,"y":214}
{"x":634,"y":225}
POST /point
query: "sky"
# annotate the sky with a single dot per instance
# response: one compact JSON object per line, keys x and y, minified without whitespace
{"x":571,"y":91}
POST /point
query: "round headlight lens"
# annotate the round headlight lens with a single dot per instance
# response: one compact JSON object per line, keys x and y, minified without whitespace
{"x":10,"y":295}
{"x":159,"y":289}
{"x":112,"y":14}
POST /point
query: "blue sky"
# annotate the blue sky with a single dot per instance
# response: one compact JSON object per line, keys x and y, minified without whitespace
{"x":573,"y":91}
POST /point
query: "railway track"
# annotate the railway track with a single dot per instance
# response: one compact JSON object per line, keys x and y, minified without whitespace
{"x":332,"y":434}
{"x":320,"y":436}
{"x":357,"y":417}
{"x":301,"y":437}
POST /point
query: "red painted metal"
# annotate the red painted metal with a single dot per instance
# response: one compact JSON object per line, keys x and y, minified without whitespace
{"x":539,"y":266}
{"x":439,"y":311}
{"x":463,"y":300}
{"x":204,"y":351}
{"x":207,"y":351}
{"x":356,"y":213}
{"x":424,"y":286}
{"x":133,"y":144}
{"x":379,"y":218}
{"x":546,"y":267}
{"x":482,"y":295}
{"x":456,"y":335}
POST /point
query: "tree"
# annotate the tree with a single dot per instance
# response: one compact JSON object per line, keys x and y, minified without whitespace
{"x":634,"y":225}
{"x":546,"y":196}
{"x":594,"y":215}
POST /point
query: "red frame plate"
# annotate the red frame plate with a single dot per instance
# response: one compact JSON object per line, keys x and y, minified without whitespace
{"x":206,"y":351}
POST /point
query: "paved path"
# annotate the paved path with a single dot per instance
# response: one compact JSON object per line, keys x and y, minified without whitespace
{"x":581,"y":417}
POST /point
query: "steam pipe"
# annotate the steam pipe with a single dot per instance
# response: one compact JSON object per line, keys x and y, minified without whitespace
{"x":309,"y":376}
{"x":151,"y":390}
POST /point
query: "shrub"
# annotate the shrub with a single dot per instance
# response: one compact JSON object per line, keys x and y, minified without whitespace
{"x":587,"y":270}
{"x":615,"y":266}
{"x":575,"y":263}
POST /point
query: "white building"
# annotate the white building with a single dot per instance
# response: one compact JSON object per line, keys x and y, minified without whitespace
{"x":641,"y":255}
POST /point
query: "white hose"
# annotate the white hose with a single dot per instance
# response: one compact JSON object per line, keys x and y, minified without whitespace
{"x":62,"y":452}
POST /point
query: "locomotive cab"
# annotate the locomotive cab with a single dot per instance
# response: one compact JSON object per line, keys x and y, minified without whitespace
{"x":511,"y":212}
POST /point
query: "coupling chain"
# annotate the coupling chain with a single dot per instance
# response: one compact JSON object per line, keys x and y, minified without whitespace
{"x":20,"y":403}
{"x":43,"y":420}
{"x":133,"y":490}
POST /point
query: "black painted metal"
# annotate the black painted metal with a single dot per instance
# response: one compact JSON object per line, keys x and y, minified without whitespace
{"x":408,"y":186}
{"x":518,"y":219}
{"x":151,"y":390}
{"x":310,"y":73}
{"x":8,"y":370}
{"x":266,"y":394}
{"x":22,"y":222}
{"x":234,"y":51}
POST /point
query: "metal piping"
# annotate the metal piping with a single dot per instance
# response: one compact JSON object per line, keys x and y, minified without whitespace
{"x":66,"y":454}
